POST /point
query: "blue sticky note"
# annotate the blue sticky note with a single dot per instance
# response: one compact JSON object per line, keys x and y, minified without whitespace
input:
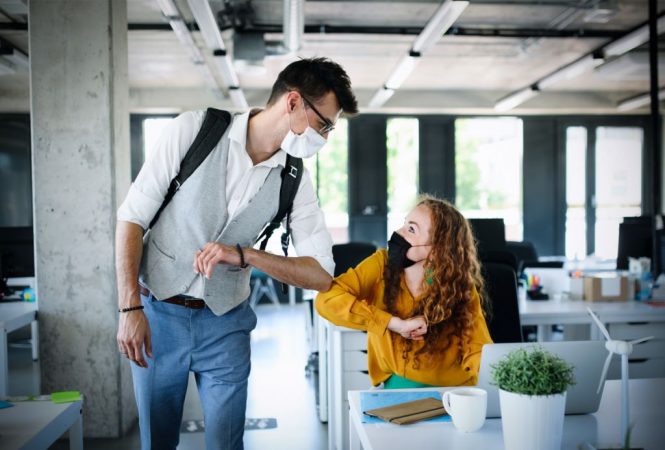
{"x":381,"y":398}
{"x":4,"y":404}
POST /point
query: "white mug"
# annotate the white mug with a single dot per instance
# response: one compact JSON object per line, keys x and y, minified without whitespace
{"x":467,"y":407}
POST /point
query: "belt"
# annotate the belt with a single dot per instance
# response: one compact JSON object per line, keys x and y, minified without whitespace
{"x":182,"y":300}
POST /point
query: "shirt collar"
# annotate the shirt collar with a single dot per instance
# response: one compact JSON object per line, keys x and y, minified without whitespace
{"x":238,"y":137}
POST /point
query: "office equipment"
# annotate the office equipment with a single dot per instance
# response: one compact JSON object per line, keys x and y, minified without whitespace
{"x":17,"y":252}
{"x":598,"y":428}
{"x":624,"y":349}
{"x":490,"y":234}
{"x":501,"y":286}
{"x":350,"y":255}
{"x":262,"y":284}
{"x":635,"y":239}
{"x":585,"y":356}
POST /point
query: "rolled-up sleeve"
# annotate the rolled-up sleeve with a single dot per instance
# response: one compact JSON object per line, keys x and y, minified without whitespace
{"x":147,"y":192}
{"x":308,"y":226}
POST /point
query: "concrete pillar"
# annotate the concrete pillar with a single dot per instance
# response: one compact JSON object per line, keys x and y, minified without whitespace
{"x":80,"y":143}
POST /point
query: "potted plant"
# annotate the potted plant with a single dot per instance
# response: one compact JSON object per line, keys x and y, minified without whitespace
{"x":532,"y":392}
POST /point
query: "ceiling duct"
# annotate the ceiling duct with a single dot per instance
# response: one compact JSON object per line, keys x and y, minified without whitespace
{"x":294,"y":24}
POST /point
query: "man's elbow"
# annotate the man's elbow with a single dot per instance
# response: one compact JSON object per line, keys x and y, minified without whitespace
{"x":325,"y":283}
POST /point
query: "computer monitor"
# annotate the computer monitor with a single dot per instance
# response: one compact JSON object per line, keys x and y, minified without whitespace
{"x":490,"y":234}
{"x":635,"y":240}
{"x":17,"y":252}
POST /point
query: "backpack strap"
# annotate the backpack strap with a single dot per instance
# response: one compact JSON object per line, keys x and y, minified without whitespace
{"x":291,"y":175}
{"x":214,"y":125}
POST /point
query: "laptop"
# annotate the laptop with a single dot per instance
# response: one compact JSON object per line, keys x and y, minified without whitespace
{"x":586,"y":357}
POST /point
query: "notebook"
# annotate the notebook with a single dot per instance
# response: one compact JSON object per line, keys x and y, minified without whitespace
{"x":586,"y":357}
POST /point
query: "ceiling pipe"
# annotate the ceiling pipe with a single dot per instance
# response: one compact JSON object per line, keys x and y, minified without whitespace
{"x":294,"y":24}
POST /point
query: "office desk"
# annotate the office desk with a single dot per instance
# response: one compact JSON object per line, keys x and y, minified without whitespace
{"x":545,"y":313}
{"x":38,"y":424}
{"x":13,"y":316}
{"x":646,"y":400}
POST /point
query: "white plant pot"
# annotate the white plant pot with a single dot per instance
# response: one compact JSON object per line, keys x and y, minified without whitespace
{"x":532,"y":422}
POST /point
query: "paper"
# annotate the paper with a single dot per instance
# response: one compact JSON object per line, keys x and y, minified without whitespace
{"x":610,"y":287}
{"x":65,"y":397}
{"x":381,"y":398}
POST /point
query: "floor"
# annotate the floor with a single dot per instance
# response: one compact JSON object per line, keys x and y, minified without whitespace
{"x":279,"y":388}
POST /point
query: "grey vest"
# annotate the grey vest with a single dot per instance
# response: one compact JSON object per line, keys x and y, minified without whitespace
{"x":197,"y":215}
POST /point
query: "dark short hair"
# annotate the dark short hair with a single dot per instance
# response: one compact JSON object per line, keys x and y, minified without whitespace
{"x":314,"y":78}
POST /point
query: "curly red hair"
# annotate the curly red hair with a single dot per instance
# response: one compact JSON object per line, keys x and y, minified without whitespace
{"x":452,"y":271}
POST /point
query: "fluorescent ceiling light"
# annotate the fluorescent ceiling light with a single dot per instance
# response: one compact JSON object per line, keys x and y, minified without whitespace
{"x":169,"y":8}
{"x":238,"y":98}
{"x":633,"y":39}
{"x":516,"y":98}
{"x":228,"y":72}
{"x":443,"y":18}
{"x":18,"y":58}
{"x":638,"y":101}
{"x":402,"y":71}
{"x":185,"y":38}
{"x":570,"y":71}
{"x":381,"y":97}
{"x":207,"y":24}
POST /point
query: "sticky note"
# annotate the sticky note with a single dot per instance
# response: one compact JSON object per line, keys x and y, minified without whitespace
{"x":65,"y":396}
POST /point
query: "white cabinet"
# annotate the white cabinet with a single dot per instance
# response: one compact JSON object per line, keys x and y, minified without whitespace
{"x":346,"y":370}
{"x":648,"y":358}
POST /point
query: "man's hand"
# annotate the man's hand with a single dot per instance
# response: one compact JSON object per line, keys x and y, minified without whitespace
{"x":413,"y":328}
{"x":214,"y":253}
{"x":133,"y":334}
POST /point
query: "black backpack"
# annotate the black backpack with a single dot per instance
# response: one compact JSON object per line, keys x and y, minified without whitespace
{"x":214,"y":125}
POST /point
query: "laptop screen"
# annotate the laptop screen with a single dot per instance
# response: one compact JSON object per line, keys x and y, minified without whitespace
{"x":586,"y":357}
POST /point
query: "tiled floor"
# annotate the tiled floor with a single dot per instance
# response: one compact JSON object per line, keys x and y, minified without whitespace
{"x":278,"y":388}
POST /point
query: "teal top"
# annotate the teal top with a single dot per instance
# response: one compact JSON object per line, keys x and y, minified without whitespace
{"x":397,"y":382}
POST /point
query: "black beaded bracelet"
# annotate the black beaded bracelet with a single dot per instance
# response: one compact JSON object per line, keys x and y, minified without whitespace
{"x":131,"y":308}
{"x":242,"y":256}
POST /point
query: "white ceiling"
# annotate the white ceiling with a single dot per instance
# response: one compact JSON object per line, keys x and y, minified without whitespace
{"x":460,"y":74}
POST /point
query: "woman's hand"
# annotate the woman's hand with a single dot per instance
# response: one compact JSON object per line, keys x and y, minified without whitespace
{"x":412,"y":328}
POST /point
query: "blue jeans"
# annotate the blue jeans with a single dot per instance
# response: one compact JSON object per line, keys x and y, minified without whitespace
{"x":217,"y":350}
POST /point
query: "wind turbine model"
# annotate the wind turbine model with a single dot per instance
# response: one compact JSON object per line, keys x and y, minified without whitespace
{"x":624,"y":349}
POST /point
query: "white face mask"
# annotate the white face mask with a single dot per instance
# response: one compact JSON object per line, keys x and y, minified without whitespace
{"x":303,"y":145}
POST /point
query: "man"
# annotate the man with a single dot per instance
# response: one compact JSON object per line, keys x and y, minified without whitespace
{"x":183,"y":290}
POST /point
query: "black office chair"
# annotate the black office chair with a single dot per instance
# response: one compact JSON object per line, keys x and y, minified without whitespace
{"x":350,"y":254}
{"x":523,"y":251}
{"x":500,"y":257}
{"x":501,"y":287}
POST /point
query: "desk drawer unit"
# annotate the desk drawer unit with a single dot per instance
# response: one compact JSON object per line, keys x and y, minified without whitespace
{"x":648,"y":358}
{"x":354,"y":341}
{"x":355,"y":360}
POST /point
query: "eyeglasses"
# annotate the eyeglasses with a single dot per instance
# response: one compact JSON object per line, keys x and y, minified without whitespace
{"x":328,"y":126}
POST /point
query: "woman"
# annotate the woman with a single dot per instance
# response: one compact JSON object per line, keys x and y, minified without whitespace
{"x":419,"y":302}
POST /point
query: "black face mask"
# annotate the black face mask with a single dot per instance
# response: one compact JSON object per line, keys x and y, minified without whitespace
{"x":397,"y":248}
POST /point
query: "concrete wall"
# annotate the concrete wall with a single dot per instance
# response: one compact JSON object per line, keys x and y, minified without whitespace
{"x":80,"y":139}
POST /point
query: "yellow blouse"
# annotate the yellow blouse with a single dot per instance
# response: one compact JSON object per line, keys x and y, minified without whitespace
{"x":355,"y":300}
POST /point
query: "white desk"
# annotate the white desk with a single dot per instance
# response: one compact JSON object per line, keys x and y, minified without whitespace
{"x":13,"y":316}
{"x":646,"y":400}
{"x":545,"y":313}
{"x":38,"y":424}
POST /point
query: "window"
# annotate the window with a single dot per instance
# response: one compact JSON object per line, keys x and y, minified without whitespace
{"x":329,"y":173}
{"x":402,"y":159}
{"x":488,"y":170}
{"x":618,"y":183}
{"x":576,"y":146}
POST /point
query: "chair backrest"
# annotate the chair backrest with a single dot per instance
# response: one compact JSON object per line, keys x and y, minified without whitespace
{"x":501,"y":287}
{"x":490,"y":234}
{"x":635,"y":240}
{"x":500,"y":257}
{"x":350,"y":254}
{"x":523,"y":251}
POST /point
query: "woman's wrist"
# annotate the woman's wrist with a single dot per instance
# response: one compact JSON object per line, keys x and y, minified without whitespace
{"x":395,"y":324}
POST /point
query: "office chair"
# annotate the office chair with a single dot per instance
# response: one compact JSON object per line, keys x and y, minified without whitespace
{"x":262,"y":285}
{"x":523,"y":251}
{"x":635,"y":240}
{"x":490,"y":235}
{"x":500,"y":257}
{"x":350,"y":254}
{"x":501,"y":287}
